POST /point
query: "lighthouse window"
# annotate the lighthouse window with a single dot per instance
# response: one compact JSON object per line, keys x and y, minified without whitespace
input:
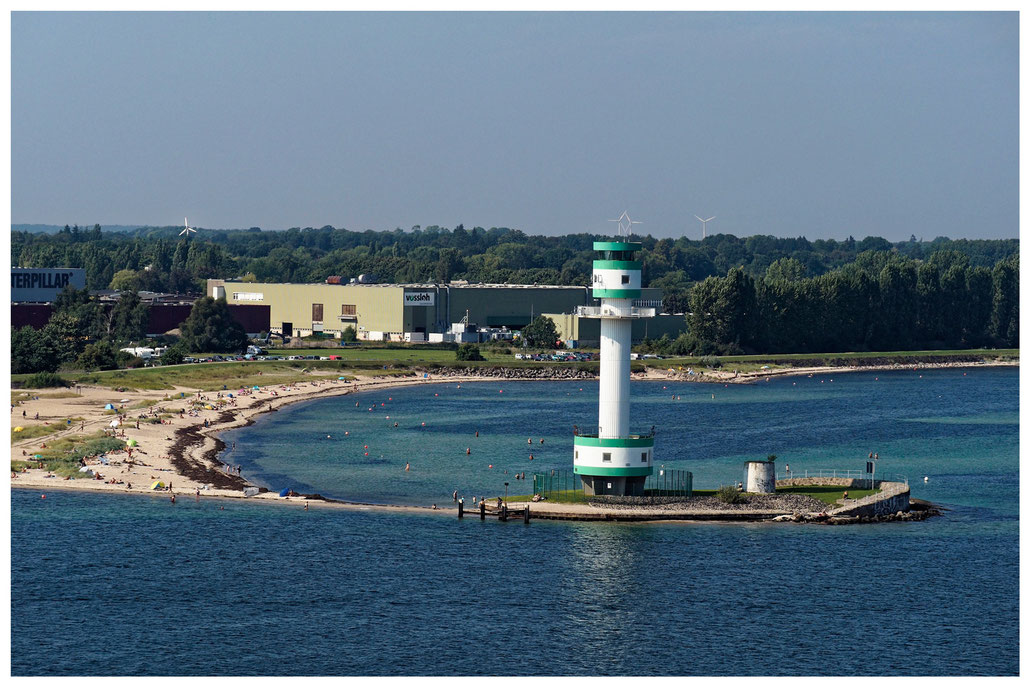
{"x":643,"y":457}
{"x":625,"y":279}
{"x":606,"y":457}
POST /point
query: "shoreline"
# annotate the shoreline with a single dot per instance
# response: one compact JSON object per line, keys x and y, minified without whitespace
{"x":183,"y":449}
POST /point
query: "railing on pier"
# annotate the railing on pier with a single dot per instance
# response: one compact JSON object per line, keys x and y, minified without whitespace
{"x":843,"y":474}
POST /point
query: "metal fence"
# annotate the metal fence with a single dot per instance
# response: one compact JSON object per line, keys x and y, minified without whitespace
{"x":554,"y":482}
{"x":666,"y":482}
{"x":843,"y":474}
{"x":565,"y":483}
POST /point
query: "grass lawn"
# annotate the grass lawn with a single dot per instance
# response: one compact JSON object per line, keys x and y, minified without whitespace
{"x":570,"y":496}
{"x":205,"y":376}
{"x":408,"y":359}
{"x":826,"y":494}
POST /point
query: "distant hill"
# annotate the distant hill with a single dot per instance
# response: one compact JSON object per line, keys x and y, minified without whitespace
{"x":54,"y":228}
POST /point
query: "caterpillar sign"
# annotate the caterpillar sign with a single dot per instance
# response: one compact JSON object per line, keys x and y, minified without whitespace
{"x":41,"y":285}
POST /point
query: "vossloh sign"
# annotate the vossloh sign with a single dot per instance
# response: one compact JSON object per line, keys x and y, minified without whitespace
{"x":38,"y":284}
{"x":419,"y":298}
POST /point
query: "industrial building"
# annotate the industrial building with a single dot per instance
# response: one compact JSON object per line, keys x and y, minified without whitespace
{"x":403,"y":312}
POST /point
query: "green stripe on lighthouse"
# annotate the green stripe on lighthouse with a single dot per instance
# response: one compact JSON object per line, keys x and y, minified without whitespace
{"x":616,"y":293}
{"x":617,"y":245}
{"x":629,"y":442}
{"x":617,"y":265}
{"x":613,"y":472}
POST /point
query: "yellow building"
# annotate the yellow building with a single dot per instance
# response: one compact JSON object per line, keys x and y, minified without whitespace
{"x":398,"y":312}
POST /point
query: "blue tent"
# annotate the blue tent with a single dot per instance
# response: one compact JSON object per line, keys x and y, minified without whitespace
{"x":109,"y":406}
{"x":284,"y":492}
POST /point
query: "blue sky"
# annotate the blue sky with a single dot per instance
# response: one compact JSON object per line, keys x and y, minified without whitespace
{"x":814,"y":124}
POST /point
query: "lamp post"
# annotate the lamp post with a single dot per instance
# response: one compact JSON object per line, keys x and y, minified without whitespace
{"x":505,"y":492}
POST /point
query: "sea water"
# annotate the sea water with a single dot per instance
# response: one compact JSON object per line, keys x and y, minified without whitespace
{"x":121,"y":584}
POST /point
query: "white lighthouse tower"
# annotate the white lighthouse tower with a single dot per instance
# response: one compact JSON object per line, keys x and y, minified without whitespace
{"x":614,"y":460}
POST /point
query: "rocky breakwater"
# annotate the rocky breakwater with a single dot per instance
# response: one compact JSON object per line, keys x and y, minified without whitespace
{"x":551,"y":372}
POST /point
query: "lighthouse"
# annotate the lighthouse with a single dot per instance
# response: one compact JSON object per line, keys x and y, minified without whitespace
{"x":614,"y":460}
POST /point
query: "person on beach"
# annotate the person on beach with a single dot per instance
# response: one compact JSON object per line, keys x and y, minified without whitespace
{"x":455,"y":495}
{"x":845,"y":495}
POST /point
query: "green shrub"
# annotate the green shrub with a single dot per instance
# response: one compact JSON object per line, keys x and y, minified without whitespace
{"x":711,"y":361}
{"x":730,"y":495}
{"x":45,"y":380}
{"x":469,"y":351}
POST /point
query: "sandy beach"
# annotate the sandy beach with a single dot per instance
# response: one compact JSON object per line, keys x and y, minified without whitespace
{"x":182,"y":449}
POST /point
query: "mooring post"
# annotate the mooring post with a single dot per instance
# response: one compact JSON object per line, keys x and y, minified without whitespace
{"x":461,"y":509}
{"x":482,"y":510}
{"x":526,"y":515}
{"x":504,"y":512}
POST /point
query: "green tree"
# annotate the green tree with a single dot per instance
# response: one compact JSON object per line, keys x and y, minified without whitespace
{"x":1005,"y":302}
{"x":173,"y":355}
{"x":468,"y":351}
{"x":33,"y":351}
{"x":541,"y":333}
{"x":724,"y":311}
{"x":129,"y":318}
{"x":349,"y":335}
{"x":123,"y":280}
{"x":97,"y":356}
{"x":210,"y":327}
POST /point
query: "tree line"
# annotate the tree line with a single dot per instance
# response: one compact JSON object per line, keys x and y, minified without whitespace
{"x":157,"y":259}
{"x":881,"y":302}
{"x":758,"y":294}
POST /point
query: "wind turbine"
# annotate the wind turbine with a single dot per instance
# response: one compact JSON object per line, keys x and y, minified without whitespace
{"x":187,"y":231}
{"x":625,"y":224}
{"x":704,"y":225}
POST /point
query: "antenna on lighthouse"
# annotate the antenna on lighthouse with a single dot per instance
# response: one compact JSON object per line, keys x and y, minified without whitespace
{"x":625,"y":224}
{"x":187,"y":231}
{"x":704,"y":225}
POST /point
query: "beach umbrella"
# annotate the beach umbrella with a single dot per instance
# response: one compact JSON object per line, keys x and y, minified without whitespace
{"x":19,"y":429}
{"x":84,"y":468}
{"x":284,"y":492}
{"x":115,"y":423}
{"x":157,"y":485}
{"x":131,"y":442}
{"x":256,"y":388}
{"x":208,"y":407}
{"x":229,"y":395}
{"x":343,"y":379}
{"x":109,"y":406}
{"x":124,"y":400}
{"x":38,"y":455}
